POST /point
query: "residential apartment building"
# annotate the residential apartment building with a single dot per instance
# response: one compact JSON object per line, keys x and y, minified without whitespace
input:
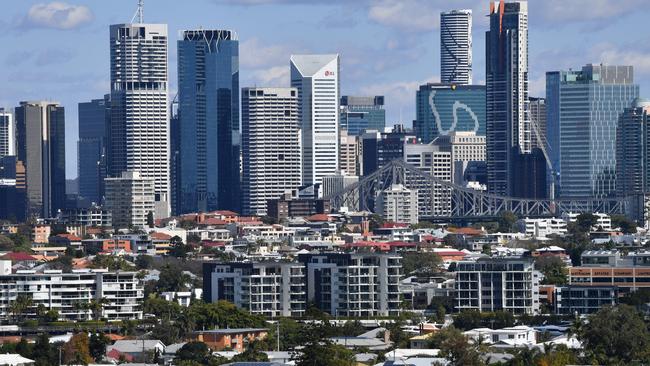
{"x":316,"y":77}
{"x":91,"y":216}
{"x":359,"y":114}
{"x":398,"y":204}
{"x":130,"y":199}
{"x":353,"y":285}
{"x":271,"y":146}
{"x":498,"y":283}
{"x":467,"y":149}
{"x":456,"y":47}
{"x":576,"y":299}
{"x":433,"y":198}
{"x":349,"y":153}
{"x":270,"y":289}
{"x":543,"y":228}
{"x":64,"y":292}
{"x":611,"y":268}
{"x":603,"y":221}
{"x":583,"y":111}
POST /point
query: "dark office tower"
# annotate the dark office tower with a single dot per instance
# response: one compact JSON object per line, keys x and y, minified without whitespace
{"x":583,"y":110}
{"x":633,"y":154}
{"x":91,"y":148}
{"x":139,"y":127}
{"x":41,"y":149}
{"x":359,"y":114}
{"x":208,"y":99}
{"x":175,"y":155}
{"x":507,"y":120}
{"x":456,"y":47}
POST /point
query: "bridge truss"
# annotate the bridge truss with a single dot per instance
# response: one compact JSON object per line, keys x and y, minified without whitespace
{"x":441,"y":200}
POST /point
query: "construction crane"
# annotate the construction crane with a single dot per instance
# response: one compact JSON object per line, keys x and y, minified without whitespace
{"x":139,"y":14}
{"x":542,"y":142}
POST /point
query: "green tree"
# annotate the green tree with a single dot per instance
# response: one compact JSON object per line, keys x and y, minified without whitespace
{"x":626,"y":225}
{"x":554,"y":270}
{"x":507,"y":222}
{"x":253,"y":353}
{"x":455,"y":347}
{"x":324,"y":353}
{"x":423,"y":263}
{"x":97,"y":345}
{"x":6,"y":244}
{"x":166,"y":332}
{"x":143,"y":262}
{"x":178,"y":249}
{"x":19,"y":306}
{"x":615,"y":335}
{"x":76,"y":350}
{"x":194,"y":351}
{"x":583,"y":224}
{"x":468,"y":319}
{"x":172,"y":278}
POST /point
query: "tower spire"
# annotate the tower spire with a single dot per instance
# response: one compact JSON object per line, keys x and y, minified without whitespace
{"x":139,"y":14}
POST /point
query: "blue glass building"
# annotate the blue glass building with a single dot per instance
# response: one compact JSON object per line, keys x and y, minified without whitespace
{"x":583,"y":109}
{"x":362,"y":113}
{"x":208,"y":102}
{"x":91,"y":148}
{"x":443,"y":108}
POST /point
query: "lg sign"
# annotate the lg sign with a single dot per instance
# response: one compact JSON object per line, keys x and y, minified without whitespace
{"x":329,"y":73}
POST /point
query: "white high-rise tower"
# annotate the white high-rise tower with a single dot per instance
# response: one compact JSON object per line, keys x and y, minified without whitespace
{"x":7,"y":133}
{"x":456,"y":47}
{"x":316,"y":77}
{"x":139,"y":124}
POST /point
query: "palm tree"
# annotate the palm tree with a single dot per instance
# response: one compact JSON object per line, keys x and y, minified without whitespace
{"x":20,"y":305}
{"x":96,"y":306}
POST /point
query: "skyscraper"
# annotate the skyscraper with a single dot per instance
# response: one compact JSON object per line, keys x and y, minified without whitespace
{"x":7,"y":133}
{"x":633,"y":154}
{"x":175,"y":157}
{"x":456,"y":47}
{"x":507,"y":120}
{"x":443,"y":109}
{"x":349,"y":153}
{"x":362,"y":113}
{"x":139,"y":125}
{"x":270,"y":146}
{"x":91,"y":148}
{"x":208,"y":101}
{"x":583,"y":109}
{"x":41,"y":149}
{"x":316,"y":77}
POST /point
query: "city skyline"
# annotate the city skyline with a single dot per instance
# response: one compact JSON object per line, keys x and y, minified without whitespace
{"x":386,"y":55}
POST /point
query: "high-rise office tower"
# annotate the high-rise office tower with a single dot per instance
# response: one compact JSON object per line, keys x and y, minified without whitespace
{"x":443,"y":109}
{"x":507,"y":120}
{"x":130,"y":198}
{"x":538,"y":122}
{"x":139,"y":125}
{"x":41,"y":149}
{"x":633,"y":154}
{"x":456,"y":47}
{"x":174,"y":157}
{"x":270,"y":146}
{"x":362,"y":113}
{"x":316,"y":77}
{"x":583,"y":109}
{"x":7,"y":133}
{"x":208,"y":100}
{"x":91,"y":148}
{"x":349,"y":153}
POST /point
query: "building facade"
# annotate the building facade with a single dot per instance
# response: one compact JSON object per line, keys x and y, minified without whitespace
{"x":434,"y":199}
{"x":456,"y":47}
{"x":353,"y":285}
{"x":491,"y":284}
{"x":359,"y":114}
{"x":7,"y":133}
{"x":349,"y":153}
{"x":41,"y":149}
{"x":270,"y":146}
{"x":139,"y":124}
{"x":91,"y":148}
{"x":508,"y":128}
{"x":316,"y":77}
{"x":130,"y":199}
{"x":583,"y":112}
{"x":398,"y":204}
{"x":466,"y":148}
{"x":442,"y":109}
{"x":269,"y":289}
{"x":208,"y":97}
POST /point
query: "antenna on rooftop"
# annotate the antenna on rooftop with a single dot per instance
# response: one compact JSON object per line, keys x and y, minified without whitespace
{"x":139,"y":14}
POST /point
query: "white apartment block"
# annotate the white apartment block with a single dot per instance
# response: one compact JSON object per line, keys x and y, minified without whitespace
{"x":603,"y":221}
{"x":491,"y":284}
{"x":433,"y":199}
{"x":316,"y":77}
{"x":68,"y":292}
{"x":271,"y":146}
{"x":349,"y":153}
{"x":139,"y":125}
{"x":398,"y":204}
{"x":465,"y":147}
{"x":7,"y":133}
{"x":542,"y":228}
{"x":270,"y":289}
{"x":354,"y":285}
{"x":129,"y":199}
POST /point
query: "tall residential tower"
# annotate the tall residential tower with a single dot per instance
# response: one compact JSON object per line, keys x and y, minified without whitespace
{"x":456,"y":47}
{"x":7,"y":133}
{"x":316,"y":77}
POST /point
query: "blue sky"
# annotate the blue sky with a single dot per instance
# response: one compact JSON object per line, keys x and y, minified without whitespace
{"x":58,"y":50}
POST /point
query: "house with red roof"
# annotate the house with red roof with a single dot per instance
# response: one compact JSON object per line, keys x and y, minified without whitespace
{"x":23,"y":259}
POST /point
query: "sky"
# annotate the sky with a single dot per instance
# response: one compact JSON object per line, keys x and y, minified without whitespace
{"x":59,"y":50}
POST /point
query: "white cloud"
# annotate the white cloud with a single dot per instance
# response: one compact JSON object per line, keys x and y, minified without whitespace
{"x":255,"y":53}
{"x":561,"y":11}
{"x":400,"y":97}
{"x":272,"y":76}
{"x":58,"y":15}
{"x":406,"y":14}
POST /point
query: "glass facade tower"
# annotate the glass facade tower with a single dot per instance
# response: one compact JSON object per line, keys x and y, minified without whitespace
{"x":362,"y":113}
{"x":91,"y":148}
{"x":456,"y":47}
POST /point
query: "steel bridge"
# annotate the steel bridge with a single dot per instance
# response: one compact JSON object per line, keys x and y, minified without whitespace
{"x":442,"y":200}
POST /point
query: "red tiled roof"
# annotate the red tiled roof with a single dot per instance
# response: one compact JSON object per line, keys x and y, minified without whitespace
{"x":213,"y":221}
{"x":69,"y":237}
{"x":318,"y":218}
{"x":159,"y":236}
{"x":18,"y":256}
{"x":226,"y":213}
{"x":212,"y":244}
{"x":394,"y":225}
{"x":467,"y":231}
